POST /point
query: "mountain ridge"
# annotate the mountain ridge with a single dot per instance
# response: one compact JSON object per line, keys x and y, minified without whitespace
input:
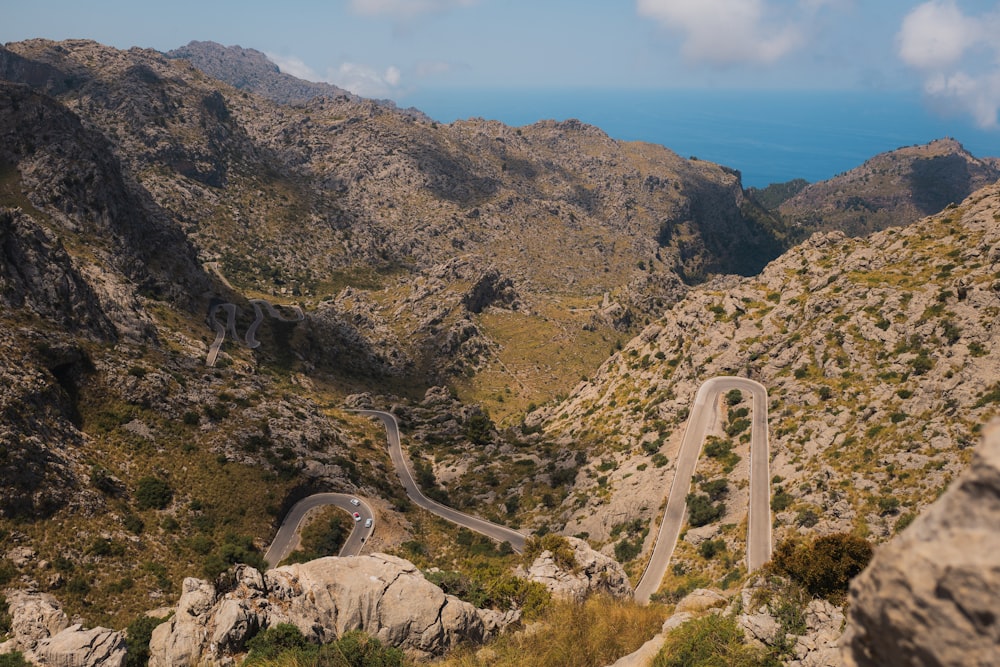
{"x":454,"y":274}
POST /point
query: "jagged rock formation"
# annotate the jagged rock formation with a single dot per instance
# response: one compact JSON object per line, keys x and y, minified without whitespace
{"x":593,"y":573}
{"x":249,"y":69}
{"x":41,"y":630}
{"x":932,"y":595}
{"x":890,"y":190}
{"x":384,"y":596}
{"x":97,"y":647}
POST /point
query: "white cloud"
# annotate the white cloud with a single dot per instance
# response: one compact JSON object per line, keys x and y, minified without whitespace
{"x":405,"y":8}
{"x":362,"y":80}
{"x":959,"y":56}
{"x":730,"y":31}
{"x":937,"y":34}
{"x":294,"y":66}
{"x":365,"y":80}
{"x":428,"y":68}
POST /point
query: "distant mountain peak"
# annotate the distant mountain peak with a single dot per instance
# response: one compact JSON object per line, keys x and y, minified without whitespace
{"x":249,"y":69}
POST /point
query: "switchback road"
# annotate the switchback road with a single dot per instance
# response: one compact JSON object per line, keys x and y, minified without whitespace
{"x":287,"y":537}
{"x":491,"y":530}
{"x":704,"y":413}
{"x":230,"y":325}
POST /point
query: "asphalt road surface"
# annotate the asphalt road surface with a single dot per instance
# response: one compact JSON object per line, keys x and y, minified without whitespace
{"x":491,"y":530}
{"x":703,"y":414}
{"x":287,"y":538}
{"x":230,"y":325}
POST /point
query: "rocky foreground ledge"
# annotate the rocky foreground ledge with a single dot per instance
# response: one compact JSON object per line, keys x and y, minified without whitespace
{"x":932,"y":595}
{"x":386,"y":597}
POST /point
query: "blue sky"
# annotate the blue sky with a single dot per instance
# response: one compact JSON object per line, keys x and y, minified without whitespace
{"x":949,"y":49}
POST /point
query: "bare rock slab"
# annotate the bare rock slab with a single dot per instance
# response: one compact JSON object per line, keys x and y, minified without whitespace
{"x":932,"y":595}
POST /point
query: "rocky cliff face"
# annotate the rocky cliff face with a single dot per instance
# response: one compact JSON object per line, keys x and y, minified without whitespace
{"x":932,"y":595}
{"x":386,"y":597}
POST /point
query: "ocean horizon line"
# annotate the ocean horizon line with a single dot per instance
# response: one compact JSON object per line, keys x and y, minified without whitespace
{"x":769,"y":136}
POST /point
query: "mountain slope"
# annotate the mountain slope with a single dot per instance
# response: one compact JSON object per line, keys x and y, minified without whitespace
{"x":881,"y":358}
{"x":249,"y":69}
{"x":890,"y":189}
{"x":310,"y":199}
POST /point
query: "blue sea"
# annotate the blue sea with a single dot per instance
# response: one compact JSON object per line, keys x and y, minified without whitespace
{"x":771,"y":137}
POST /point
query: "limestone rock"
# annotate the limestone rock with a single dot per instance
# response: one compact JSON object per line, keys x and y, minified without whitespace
{"x":932,"y":595}
{"x":34,"y":617}
{"x":76,"y":647}
{"x":701,"y":599}
{"x":384,"y":596}
{"x":594,"y":572}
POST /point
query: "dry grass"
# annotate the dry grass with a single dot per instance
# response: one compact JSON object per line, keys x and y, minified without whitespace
{"x":591,"y":634}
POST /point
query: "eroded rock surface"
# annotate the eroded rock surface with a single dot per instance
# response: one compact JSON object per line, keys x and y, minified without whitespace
{"x":932,"y":595}
{"x":384,"y":596}
{"x":594,"y":572}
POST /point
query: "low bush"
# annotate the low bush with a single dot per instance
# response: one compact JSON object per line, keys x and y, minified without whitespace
{"x":137,"y":637}
{"x":153,"y":493}
{"x":701,"y":511}
{"x":710,"y":641}
{"x":824,"y":566}
{"x":592,"y":634}
{"x":284,"y":644}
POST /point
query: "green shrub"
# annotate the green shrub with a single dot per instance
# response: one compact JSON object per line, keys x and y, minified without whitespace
{"x":825,"y":566}
{"x":137,"y":638}
{"x":701,"y":511}
{"x":714,"y":640}
{"x":626,"y":549}
{"x":153,"y":493}
{"x":7,"y":571}
{"x":5,"y":619}
{"x":557,"y":545}
{"x":710,"y":548}
{"x":15,"y":659}
{"x":234,"y":549}
{"x":716,"y":489}
{"x":781,"y":499}
{"x":274,"y":641}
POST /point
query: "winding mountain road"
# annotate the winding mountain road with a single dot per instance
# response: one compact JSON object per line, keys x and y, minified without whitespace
{"x":287,"y":537}
{"x":704,"y":413}
{"x":491,"y":530}
{"x":251,"y":336}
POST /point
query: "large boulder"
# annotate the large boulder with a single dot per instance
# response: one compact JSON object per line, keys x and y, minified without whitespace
{"x":593,"y":572}
{"x":386,"y":597}
{"x":33,"y":617}
{"x":932,"y":595}
{"x":76,"y":647}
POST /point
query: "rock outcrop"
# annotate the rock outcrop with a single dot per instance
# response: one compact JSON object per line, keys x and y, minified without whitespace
{"x":40,"y":630}
{"x":594,"y":573}
{"x":76,"y":647}
{"x":33,"y":617}
{"x":932,"y":595}
{"x":384,"y":596}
